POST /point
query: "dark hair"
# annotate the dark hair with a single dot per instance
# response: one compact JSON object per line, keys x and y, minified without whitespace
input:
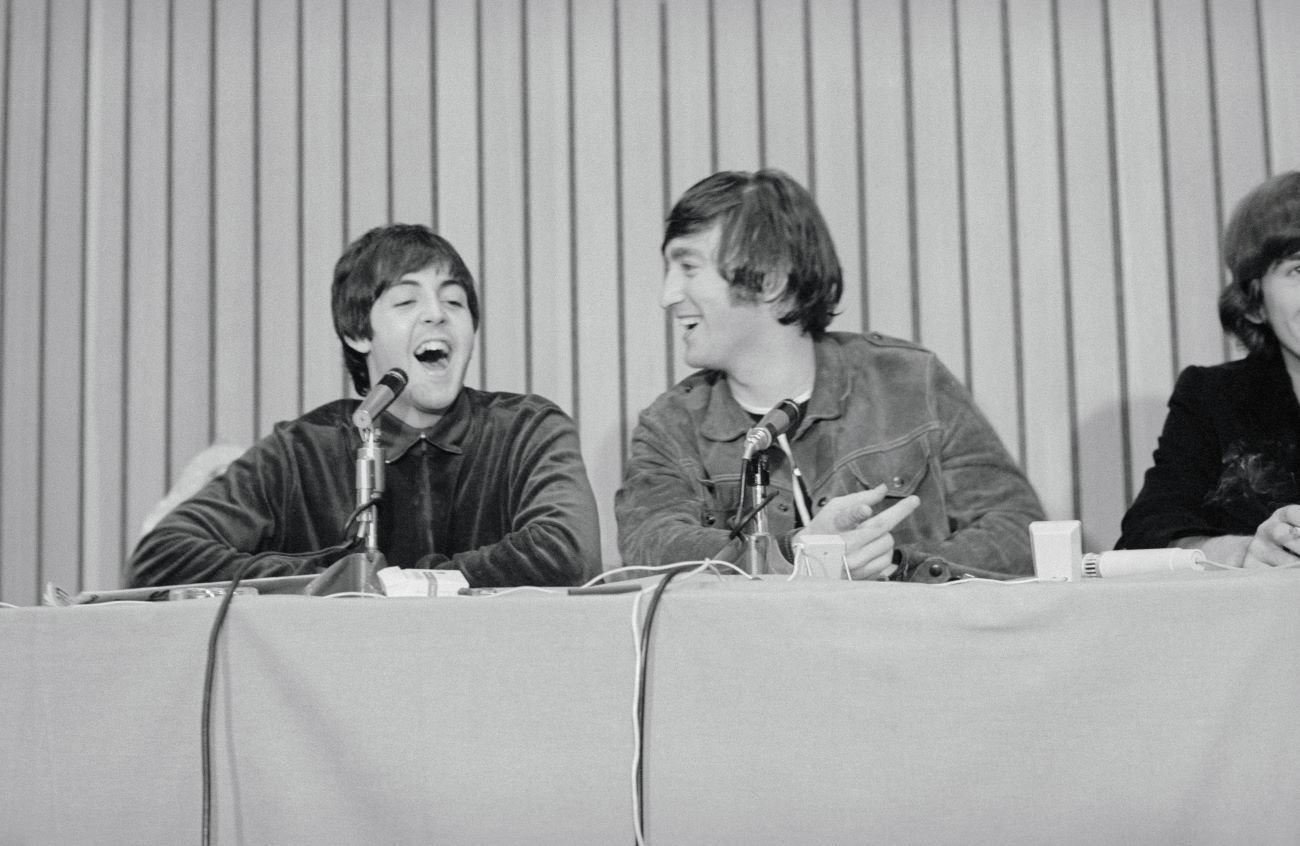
{"x":1264,"y":229}
{"x":370,"y":265}
{"x":771,"y":232}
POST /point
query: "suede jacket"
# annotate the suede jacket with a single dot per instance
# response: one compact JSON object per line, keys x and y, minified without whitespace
{"x":882,"y":411}
{"x":497,"y":488}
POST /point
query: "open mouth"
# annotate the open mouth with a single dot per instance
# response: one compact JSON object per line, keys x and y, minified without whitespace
{"x":435,"y":355}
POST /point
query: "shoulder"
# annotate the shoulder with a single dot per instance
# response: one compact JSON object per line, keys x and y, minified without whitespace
{"x":1232,"y":379}
{"x":879,"y":341}
{"x":873,"y":357}
{"x":324,"y":427}
{"x":507,"y":410}
{"x":689,"y":399}
{"x":335,"y":415}
{"x":876,"y":347}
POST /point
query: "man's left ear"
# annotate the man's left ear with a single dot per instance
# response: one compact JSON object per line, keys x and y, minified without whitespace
{"x":774,"y":285}
{"x":1257,"y":315}
{"x":361,"y":345}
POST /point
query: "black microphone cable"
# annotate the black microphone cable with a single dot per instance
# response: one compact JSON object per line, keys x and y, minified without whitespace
{"x":210,"y":669}
{"x":640,"y":703}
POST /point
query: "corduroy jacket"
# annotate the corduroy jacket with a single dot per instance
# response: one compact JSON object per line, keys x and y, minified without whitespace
{"x":497,"y":488}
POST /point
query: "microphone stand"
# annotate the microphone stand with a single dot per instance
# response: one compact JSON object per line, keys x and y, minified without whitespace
{"x":756,"y":537}
{"x":358,"y":572}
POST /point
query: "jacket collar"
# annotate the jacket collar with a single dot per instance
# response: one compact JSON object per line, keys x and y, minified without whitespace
{"x":725,"y":420}
{"x":448,"y":434}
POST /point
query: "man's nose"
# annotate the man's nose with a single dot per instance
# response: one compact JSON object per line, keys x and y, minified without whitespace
{"x":432,"y":311}
{"x":672,"y":292}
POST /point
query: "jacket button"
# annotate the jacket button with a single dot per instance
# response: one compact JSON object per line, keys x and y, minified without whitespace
{"x":781,"y":506}
{"x":821,"y":502}
{"x":708,"y":519}
{"x":897,"y":481}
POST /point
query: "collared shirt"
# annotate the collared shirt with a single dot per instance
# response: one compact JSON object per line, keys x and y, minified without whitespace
{"x":882,"y":411}
{"x":497,"y":488}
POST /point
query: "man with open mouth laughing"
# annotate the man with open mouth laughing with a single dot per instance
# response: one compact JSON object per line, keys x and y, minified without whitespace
{"x":897,"y":459}
{"x":490,"y":483}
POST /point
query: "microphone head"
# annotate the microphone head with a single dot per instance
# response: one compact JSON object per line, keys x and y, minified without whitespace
{"x":395,"y":380}
{"x":791,"y":410}
{"x":784,"y":417}
{"x":379,"y":398}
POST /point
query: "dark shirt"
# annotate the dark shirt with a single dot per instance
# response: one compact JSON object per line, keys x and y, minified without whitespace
{"x":497,"y":488}
{"x":882,"y":411}
{"x":1226,"y":458}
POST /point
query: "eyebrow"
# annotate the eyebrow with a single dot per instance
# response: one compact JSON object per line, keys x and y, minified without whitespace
{"x":459,"y":283}
{"x":680,"y":252}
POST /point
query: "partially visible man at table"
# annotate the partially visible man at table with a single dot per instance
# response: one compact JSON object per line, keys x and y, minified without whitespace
{"x":492,"y":484}
{"x":898,"y":460}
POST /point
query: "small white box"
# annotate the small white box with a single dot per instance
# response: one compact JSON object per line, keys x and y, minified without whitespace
{"x":1058,"y":550}
{"x":820,"y":556}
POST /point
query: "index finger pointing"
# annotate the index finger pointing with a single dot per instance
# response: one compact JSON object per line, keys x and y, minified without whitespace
{"x":895,"y":514}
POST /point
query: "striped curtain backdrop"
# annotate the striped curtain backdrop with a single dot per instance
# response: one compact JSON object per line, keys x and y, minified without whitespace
{"x":1032,"y":188}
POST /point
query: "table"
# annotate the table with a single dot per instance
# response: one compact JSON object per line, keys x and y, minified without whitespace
{"x":1138,"y":710}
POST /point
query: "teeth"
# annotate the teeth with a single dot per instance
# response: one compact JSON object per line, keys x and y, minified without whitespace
{"x":431,"y":352}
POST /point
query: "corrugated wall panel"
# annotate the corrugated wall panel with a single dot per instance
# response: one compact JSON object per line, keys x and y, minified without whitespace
{"x":835,"y":132}
{"x":783,"y":80}
{"x":191,"y":204}
{"x":1139,"y":219}
{"x":147,"y":284}
{"x":324,"y":227}
{"x":1189,"y":171}
{"x":691,"y":151}
{"x":597,"y":290}
{"x":22,"y":308}
{"x":103,"y":437}
{"x":502,"y":272}
{"x":1086,"y":208}
{"x":737,"y":115}
{"x":1039,"y":283}
{"x":646,"y":331}
{"x":1034,"y":188}
{"x":549,"y":252}
{"x":459,"y":204}
{"x":64,"y":292}
{"x":1279,"y":21}
{"x":889,"y":294}
{"x":279,"y":305}
{"x":934,"y":150}
{"x":410,"y":64}
{"x":983,"y":168}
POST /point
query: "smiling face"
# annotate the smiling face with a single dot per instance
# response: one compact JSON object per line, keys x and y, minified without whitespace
{"x":1280,"y":288}
{"x":719,"y":326}
{"x":422,"y":324}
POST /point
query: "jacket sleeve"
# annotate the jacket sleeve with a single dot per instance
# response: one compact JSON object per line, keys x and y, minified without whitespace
{"x":989,"y":501}
{"x":555,"y":529}
{"x":1185,"y":468}
{"x":663,"y":507}
{"x":233,"y":517}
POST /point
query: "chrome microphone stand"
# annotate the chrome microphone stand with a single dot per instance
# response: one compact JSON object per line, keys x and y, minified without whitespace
{"x":358,"y":572}
{"x":756,"y":537}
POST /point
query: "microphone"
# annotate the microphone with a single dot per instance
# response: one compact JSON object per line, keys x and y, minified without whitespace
{"x":380,"y":397}
{"x":780,"y":420}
